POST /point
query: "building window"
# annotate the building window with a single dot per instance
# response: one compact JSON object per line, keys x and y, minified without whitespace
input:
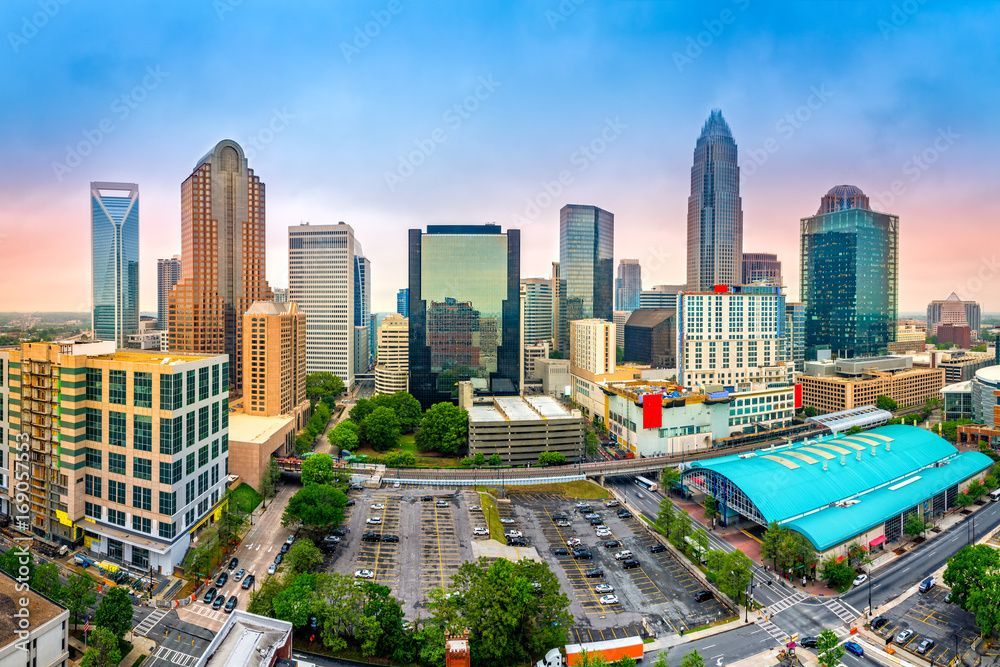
{"x":215,"y":449}
{"x":143,"y":390}
{"x":116,"y":463}
{"x":94,"y":425}
{"x":202,"y":482}
{"x":203,"y":383}
{"x":215,"y":418}
{"x":92,"y":485}
{"x":116,"y":428}
{"x":189,"y":438}
{"x":170,"y":435}
{"x":94,"y":458}
{"x":225,"y":442}
{"x":203,"y":456}
{"x":142,"y":468}
{"x":189,"y":492}
{"x":142,"y":433}
{"x":170,"y":391}
{"x":168,"y":502}
{"x":116,"y":387}
{"x":95,"y":384}
{"x":203,"y":422}
{"x":215,"y":380}
{"x":190,"y":387}
{"x":168,"y":530}
{"x":116,"y":517}
{"x":93,"y":510}
{"x":225,"y":413}
{"x":189,"y":461}
{"x":116,"y":491}
{"x":140,"y":556}
{"x":142,"y":498}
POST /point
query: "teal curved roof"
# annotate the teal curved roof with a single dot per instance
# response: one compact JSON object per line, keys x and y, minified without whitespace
{"x":789,"y":482}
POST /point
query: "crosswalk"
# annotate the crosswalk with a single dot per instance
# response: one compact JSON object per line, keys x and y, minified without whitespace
{"x":176,"y":657}
{"x":148,"y":623}
{"x":843,"y":611}
{"x":213,"y":618}
{"x":770,"y":628}
{"x":786,"y":603}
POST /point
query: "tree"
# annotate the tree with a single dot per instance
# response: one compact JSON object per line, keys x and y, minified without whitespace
{"x":344,"y":436}
{"x":494,"y":460}
{"x":230,"y":524}
{"x":324,"y":386}
{"x":810,"y":411}
{"x":966,"y":569}
{"x":976,"y":489}
{"x":380,"y":429}
{"x":669,"y":478}
{"x":202,"y":558}
{"x":78,"y":595}
{"x":692,"y":659}
{"x":269,"y":479}
{"x":711,"y":507}
{"x":407,"y":409}
{"x":829,"y":650}
{"x":317,"y":469}
{"x":115,"y":612}
{"x":731,"y":572}
{"x":665,"y":517}
{"x":984,"y":603}
{"x":102,"y":649}
{"x":46,"y":580}
{"x":661,"y":660}
{"x":770,"y":546}
{"x":963,"y":499}
{"x":551,"y":459}
{"x":400,"y":459}
{"x":857,"y":554}
{"x":303,"y":556}
{"x":317,"y":507}
{"x":18,"y":563}
{"x":362,"y":407}
{"x":886,"y":403}
{"x":914,"y":526}
{"x":838,"y":574}
{"x":590,"y":443}
{"x":262,"y":600}
{"x":680,"y":527}
{"x":443,"y":429}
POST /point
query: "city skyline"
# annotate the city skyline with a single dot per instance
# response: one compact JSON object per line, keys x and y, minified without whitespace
{"x":912,"y":132}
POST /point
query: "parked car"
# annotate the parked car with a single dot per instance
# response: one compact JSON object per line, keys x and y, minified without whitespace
{"x":441,"y":503}
{"x":475,"y":508}
{"x":903,"y":636}
{"x":596,"y":521}
{"x":209,"y":595}
{"x":290,"y":539}
{"x":878,"y":622}
{"x":239,"y":574}
{"x":230,"y":604}
{"x":505,"y":520}
{"x":221,"y":580}
{"x":218,"y":602}
{"x":629,"y":563}
{"x":374,"y":520}
{"x":278,"y":559}
{"x":926,"y":644}
{"x":591,"y":515}
{"x":427,"y":499}
{"x":272,"y":568}
{"x":703,"y":595}
{"x":233,"y":563}
{"x":623,"y":554}
{"x":860,"y":579}
{"x":927,"y":584}
{"x":573,"y":541}
{"x":608,"y":599}
{"x":517,"y":542}
{"x":560,"y":516}
{"x":350,"y":502}
{"x":560,"y":551}
{"x":371,"y":536}
{"x":612,"y":544}
{"x":378,"y":506}
{"x":582,"y":553}
{"x":809,"y":641}
{"x":284,"y":548}
{"x":331,"y":539}
{"x":854,"y":648}
{"x":364,"y":574}
{"x":604,"y":588}
{"x":563,"y":523}
{"x":594,"y":573}
{"x":657,"y":548}
{"x":624,"y":514}
{"x":339,"y":531}
{"x":481,"y":531}
{"x":248,"y":582}
{"x":513,"y":533}
{"x":612,"y":503}
{"x":390,"y":538}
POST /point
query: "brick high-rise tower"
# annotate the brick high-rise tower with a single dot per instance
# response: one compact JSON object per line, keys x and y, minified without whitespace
{"x":222,"y":257}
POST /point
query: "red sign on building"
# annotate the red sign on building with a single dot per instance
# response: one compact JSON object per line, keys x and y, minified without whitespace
{"x":652,"y":410}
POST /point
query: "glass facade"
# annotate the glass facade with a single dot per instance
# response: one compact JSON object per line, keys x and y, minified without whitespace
{"x":715,"y":210}
{"x":849,"y":278}
{"x":464,"y":315}
{"x":115,"y":260}
{"x":586,"y":266}
{"x":628,"y":285}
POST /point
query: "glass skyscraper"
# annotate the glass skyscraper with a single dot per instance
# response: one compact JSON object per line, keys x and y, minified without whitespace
{"x":464,"y":283}
{"x":850,"y":257}
{"x":403,"y":301}
{"x":114,"y":220}
{"x":364,"y":333}
{"x":715,"y":210}
{"x":586,"y":266}
{"x":628,"y":285}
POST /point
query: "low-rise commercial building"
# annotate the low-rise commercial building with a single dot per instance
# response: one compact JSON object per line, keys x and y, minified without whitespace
{"x":962,"y":365}
{"x":768,"y":408}
{"x":586,"y":389}
{"x":956,"y":400}
{"x":554,"y":375}
{"x":518,"y":429}
{"x":34,"y":630}
{"x":253,"y":440}
{"x":833,"y":386}
{"x":985,"y":399}
{"x":250,"y":640}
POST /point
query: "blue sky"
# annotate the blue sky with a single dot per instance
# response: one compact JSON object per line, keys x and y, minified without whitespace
{"x":391,"y":115}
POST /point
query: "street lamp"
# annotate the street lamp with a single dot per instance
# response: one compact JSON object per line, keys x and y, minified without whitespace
{"x":746,"y":608}
{"x":871,"y":610}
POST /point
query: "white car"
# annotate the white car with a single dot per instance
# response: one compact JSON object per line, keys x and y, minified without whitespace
{"x":364,"y":574}
{"x":480,"y":530}
{"x":573,"y":542}
{"x":514,"y":533}
{"x":603,"y":532}
{"x":563,"y":523}
{"x":272,"y":568}
{"x":442,"y":503}
{"x":860,"y":579}
{"x":475,"y":508}
{"x":609,"y":599}
{"x":623,"y":554}
{"x":374,"y":521}
{"x":604,"y":588}
{"x":290,"y":539}
{"x":504,"y":520}
{"x":378,"y":506}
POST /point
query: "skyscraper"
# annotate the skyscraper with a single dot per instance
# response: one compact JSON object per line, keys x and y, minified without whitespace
{"x":464,"y":283}
{"x":953,"y":311}
{"x":850,"y":257}
{"x":537,"y":313}
{"x":222,"y":261}
{"x":558,"y":312}
{"x":114,"y":236}
{"x":363,"y":332}
{"x":321,"y":280}
{"x":392,"y":369}
{"x":168,"y":272}
{"x":403,"y":301}
{"x":274,"y":353}
{"x":628,"y":285}
{"x":715,"y":211}
{"x":761,"y":267}
{"x":586,"y":266}
{"x":280,"y":294}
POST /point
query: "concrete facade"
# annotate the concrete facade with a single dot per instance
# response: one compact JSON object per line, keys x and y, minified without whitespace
{"x":519,"y":429}
{"x":848,"y":383}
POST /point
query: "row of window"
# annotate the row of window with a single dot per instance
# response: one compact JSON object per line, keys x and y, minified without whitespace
{"x":199,"y":383}
{"x":141,"y":524}
{"x":210,"y":420}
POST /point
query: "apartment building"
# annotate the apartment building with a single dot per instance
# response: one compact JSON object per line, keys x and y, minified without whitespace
{"x":392,"y":360}
{"x":274,"y":359}
{"x":833,"y":386}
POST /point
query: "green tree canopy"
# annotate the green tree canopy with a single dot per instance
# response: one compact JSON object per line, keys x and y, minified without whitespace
{"x":665,"y":517}
{"x":78,"y":595}
{"x":967,"y":569}
{"x":362,"y":407}
{"x":380,"y":429}
{"x":443,"y":429}
{"x":115,"y":611}
{"x":552,"y":459}
{"x":406,"y":407}
{"x":46,"y":580}
{"x":18,"y":563}
{"x":829,"y":650}
{"x":914,"y":526}
{"x":317,"y":469}
{"x":303,"y":556}
{"x":692,"y":659}
{"x":838,"y":574}
{"x":984,"y":603}
{"x":345,"y":436}
{"x":324,"y":386}
{"x":669,"y":478}
{"x":317,"y":507}
{"x":102,"y":649}
{"x":731,"y":572}
{"x":886,"y":403}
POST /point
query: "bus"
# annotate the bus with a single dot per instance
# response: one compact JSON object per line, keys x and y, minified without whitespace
{"x":696,"y":549}
{"x":995,"y":495}
{"x":647,"y":484}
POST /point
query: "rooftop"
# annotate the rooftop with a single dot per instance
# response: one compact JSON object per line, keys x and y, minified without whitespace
{"x":255,"y":429}
{"x":246,"y":640}
{"x":990,"y":374}
{"x":649,"y":317}
{"x":272,"y":308}
{"x":41,"y":610}
{"x":516,"y":408}
{"x":884,"y":468}
{"x":864,"y":416}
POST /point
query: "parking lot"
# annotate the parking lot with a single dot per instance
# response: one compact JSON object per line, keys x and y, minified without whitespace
{"x":659,"y":591}
{"x":929,"y":616}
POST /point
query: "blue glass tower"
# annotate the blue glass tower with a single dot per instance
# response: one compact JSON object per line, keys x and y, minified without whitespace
{"x":403,"y":301}
{"x":850,"y":259}
{"x":115,"y":260}
{"x":586,"y":266}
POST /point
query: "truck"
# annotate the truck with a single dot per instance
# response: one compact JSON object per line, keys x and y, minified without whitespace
{"x":610,"y":651}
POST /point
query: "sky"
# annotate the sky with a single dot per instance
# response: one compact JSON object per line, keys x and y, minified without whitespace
{"x":397,"y":114}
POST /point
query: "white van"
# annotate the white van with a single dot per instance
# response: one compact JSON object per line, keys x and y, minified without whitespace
{"x":995,"y":495}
